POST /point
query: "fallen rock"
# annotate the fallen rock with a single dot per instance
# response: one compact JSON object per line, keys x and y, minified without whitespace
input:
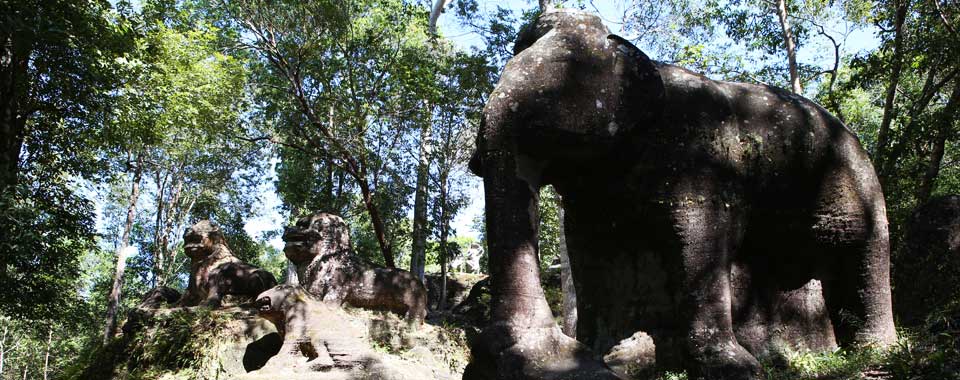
{"x":634,"y":357}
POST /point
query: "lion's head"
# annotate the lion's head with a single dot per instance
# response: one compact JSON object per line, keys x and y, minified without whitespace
{"x":273,"y":303}
{"x":316,"y":234}
{"x":201,"y":239}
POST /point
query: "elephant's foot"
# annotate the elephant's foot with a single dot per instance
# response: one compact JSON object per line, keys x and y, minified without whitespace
{"x":543,"y":353}
{"x":723,"y":360}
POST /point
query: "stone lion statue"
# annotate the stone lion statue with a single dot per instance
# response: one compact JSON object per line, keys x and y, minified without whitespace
{"x":215,"y":272}
{"x":319,"y":246}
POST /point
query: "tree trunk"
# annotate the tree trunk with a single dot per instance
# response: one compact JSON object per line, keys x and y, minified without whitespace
{"x":418,"y":259}
{"x":943,"y":129}
{"x":163,"y":252}
{"x":883,"y":134}
{"x":790,"y":45}
{"x":546,"y":6}
{"x":46,"y":356}
{"x":3,"y":348}
{"x":292,"y":278}
{"x":435,"y":12}
{"x":444,"y":230}
{"x":379,"y":229}
{"x":14,"y":60}
{"x":161,"y":179}
{"x":114,"y":300}
{"x":11,"y":138}
{"x":894,"y":151}
{"x":566,"y":279}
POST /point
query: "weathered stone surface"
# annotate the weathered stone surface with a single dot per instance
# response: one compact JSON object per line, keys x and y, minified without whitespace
{"x":458,"y":286}
{"x":215,"y":272}
{"x":319,"y":245}
{"x":634,"y":357}
{"x":927,"y":269}
{"x":323,"y":341}
{"x":247,"y":343}
{"x":309,"y":342}
{"x":475,"y":308}
{"x":723,"y":219}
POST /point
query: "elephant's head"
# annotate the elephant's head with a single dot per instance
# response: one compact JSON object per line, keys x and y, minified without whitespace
{"x":572,"y":88}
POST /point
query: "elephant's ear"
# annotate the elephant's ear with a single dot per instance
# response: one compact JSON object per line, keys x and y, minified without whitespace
{"x":642,"y":91}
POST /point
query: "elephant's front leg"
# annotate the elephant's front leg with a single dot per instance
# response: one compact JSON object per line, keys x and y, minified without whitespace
{"x":522,"y":341}
{"x":708,"y":228}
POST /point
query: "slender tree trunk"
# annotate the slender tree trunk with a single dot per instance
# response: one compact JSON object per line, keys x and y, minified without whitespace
{"x":912,"y":129}
{"x":14,"y":60}
{"x":158,"y":225}
{"x":379,"y":229}
{"x":163,"y":252}
{"x":444,"y":229}
{"x":114,"y":300}
{"x":46,"y":356}
{"x":330,"y":182}
{"x":566,"y":278}
{"x":790,"y":45}
{"x":418,"y":254}
{"x":3,"y":349}
{"x":292,"y":278}
{"x":943,"y":130}
{"x":883,"y":134}
{"x":435,"y":12}
{"x":546,"y":6}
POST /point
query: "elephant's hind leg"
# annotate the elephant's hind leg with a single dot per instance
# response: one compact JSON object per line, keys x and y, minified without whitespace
{"x":850,"y":223}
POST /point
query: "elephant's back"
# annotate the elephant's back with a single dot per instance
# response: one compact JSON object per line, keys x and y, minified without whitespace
{"x":774,"y":141}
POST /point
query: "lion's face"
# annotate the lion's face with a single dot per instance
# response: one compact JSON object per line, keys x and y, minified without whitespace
{"x":312,"y":234}
{"x":200,"y":239}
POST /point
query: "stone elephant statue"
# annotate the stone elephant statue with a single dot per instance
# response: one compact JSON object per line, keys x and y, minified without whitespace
{"x":722,"y":219}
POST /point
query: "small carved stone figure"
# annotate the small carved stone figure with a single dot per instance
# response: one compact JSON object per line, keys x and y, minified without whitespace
{"x":721,"y":219}
{"x":215,"y":272}
{"x":319,"y":245}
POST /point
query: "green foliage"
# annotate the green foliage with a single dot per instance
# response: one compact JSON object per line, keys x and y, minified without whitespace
{"x":45,"y":231}
{"x":550,"y":228}
{"x":933,"y":351}
{"x":672,"y":376}
{"x":58,"y":74}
